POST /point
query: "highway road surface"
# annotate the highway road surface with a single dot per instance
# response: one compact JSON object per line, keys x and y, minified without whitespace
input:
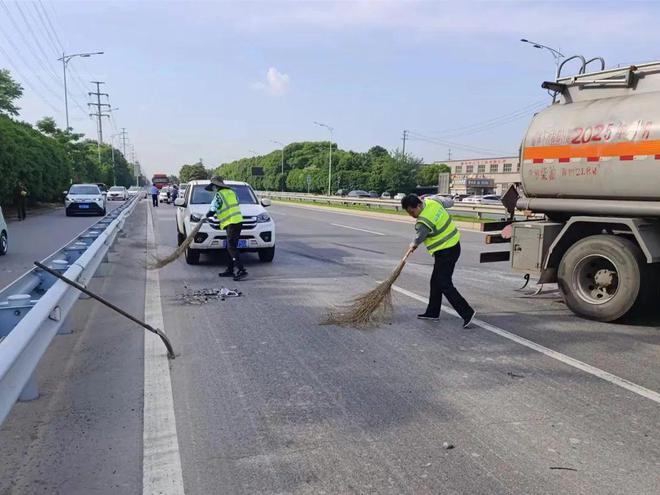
{"x":261,"y":399}
{"x":39,"y":236}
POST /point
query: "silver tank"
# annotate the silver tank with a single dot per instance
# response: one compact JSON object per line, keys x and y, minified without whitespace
{"x":601,"y":140}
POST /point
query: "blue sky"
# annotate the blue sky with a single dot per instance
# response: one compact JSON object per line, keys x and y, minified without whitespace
{"x":214,"y":80}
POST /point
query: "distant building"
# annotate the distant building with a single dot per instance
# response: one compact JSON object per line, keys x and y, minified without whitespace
{"x":484,"y":175}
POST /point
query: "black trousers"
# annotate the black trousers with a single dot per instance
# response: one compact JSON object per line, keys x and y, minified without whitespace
{"x":154,"y":199}
{"x":21,"y":207}
{"x":441,"y":283}
{"x":233,"y":235}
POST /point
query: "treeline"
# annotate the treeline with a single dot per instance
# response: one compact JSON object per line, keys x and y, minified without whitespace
{"x":48,"y":159}
{"x":306,"y":169}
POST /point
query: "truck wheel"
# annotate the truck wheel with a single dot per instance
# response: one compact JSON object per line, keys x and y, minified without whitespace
{"x":266,"y":255}
{"x":601,"y":277}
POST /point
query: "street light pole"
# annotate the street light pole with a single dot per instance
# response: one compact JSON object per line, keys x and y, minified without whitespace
{"x":329,"y":158}
{"x":65,"y":60}
{"x":557,"y":55}
{"x":281,"y":162}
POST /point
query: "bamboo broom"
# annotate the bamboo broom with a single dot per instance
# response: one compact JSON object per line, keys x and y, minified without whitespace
{"x":363,"y":309}
{"x":161,"y":262}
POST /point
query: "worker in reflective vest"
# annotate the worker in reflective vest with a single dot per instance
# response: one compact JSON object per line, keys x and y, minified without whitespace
{"x":226,"y":210}
{"x":438,"y":232}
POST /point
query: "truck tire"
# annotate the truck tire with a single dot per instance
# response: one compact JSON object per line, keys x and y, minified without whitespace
{"x":266,"y":255}
{"x":602,"y":277}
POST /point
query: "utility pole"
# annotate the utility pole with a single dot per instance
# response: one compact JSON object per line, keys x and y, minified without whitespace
{"x":449,"y":155}
{"x":405,"y":136}
{"x":282,"y":164}
{"x":330,"y":129}
{"x":123,"y":140}
{"x":99,"y":112}
{"x":65,"y":61}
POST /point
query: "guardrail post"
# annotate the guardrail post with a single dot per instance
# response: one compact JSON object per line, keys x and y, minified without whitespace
{"x":30,"y":391}
{"x":66,"y":328}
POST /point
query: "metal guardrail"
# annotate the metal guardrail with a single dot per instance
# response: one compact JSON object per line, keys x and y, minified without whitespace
{"x":489,"y":212}
{"x":37,"y":306}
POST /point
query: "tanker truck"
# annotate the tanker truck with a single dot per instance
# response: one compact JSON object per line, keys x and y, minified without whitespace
{"x":590,"y":170}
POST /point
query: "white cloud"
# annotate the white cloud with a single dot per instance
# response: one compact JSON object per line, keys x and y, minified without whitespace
{"x":276,"y":83}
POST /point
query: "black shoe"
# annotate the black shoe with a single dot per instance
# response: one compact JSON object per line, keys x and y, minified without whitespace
{"x":226,"y":273}
{"x":240,"y":274}
{"x":468,"y":321}
{"x":425,"y":316}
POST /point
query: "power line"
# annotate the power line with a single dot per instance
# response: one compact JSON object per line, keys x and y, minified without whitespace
{"x":27,"y":82}
{"x":449,"y":144}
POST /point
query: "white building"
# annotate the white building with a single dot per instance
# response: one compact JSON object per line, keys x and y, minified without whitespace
{"x":484,"y":175}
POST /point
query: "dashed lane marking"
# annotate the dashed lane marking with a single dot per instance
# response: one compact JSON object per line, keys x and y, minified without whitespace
{"x":161,"y":465}
{"x":587,"y":368}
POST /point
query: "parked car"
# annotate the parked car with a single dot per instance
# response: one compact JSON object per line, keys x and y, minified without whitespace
{"x":137,"y":191}
{"x":358,"y":193}
{"x":182,"y":189}
{"x":118,"y":193}
{"x":84,"y":198}
{"x":386,"y":195}
{"x":491,"y":199}
{"x":373,"y":194}
{"x":474,"y":199}
{"x":4,"y":235}
{"x":163,"y":195}
{"x":399,"y":196}
{"x":459,"y":197}
{"x":258,"y":234}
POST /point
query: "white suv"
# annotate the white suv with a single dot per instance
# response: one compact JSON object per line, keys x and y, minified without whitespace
{"x":257,"y":235}
{"x":84,"y":198}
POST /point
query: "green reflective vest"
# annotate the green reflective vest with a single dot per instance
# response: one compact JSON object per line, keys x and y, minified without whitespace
{"x":229,"y":211}
{"x":444,"y":233}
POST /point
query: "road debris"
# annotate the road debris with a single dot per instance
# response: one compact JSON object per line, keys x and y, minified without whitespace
{"x":563,"y":468}
{"x":447,"y":445}
{"x":206,"y":295}
{"x":513,"y":375}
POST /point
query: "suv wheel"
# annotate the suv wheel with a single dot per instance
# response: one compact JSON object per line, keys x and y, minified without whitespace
{"x":4,"y":243}
{"x":266,"y":255}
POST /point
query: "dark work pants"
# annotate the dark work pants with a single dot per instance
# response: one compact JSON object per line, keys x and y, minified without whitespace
{"x":233,"y":235}
{"x":441,"y":283}
{"x":21,"y":208}
{"x":154,"y":199}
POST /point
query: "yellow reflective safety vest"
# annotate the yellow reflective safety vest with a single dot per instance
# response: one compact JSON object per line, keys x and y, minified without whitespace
{"x":444,"y":233}
{"x":229,"y":211}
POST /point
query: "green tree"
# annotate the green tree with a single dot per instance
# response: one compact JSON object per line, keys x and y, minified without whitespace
{"x":193,"y":172}
{"x":10,"y":91}
{"x":428,"y":174}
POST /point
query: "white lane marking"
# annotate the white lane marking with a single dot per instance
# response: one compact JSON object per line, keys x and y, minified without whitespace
{"x":355,"y":228}
{"x":161,"y":465}
{"x":587,"y":368}
{"x":372,"y":216}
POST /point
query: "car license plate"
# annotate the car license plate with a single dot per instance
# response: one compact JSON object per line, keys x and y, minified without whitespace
{"x":83,"y":206}
{"x":242,"y":243}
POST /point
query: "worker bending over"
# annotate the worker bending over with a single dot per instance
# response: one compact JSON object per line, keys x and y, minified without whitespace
{"x":226,"y":210}
{"x":437,"y":231}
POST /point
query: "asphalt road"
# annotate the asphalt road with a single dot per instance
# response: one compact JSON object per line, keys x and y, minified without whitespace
{"x":39,"y":236}
{"x":268,"y":401}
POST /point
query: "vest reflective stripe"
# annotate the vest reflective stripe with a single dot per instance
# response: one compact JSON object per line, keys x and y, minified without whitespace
{"x":229,"y":212}
{"x":444,"y":233}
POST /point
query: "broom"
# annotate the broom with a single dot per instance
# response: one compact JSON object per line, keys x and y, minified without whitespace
{"x":361,"y":311}
{"x":161,"y":262}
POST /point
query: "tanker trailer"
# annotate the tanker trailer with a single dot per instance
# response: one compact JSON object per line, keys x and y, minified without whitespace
{"x":590,"y":163}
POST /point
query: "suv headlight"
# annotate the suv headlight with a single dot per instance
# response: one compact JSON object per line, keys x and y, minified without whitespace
{"x":195,"y":218}
{"x":262,"y":218}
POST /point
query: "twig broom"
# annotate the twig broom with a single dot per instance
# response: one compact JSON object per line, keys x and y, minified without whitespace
{"x":161,"y":262}
{"x":361,"y":311}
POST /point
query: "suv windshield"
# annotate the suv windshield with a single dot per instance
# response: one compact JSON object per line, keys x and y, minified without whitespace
{"x":84,"y":190}
{"x":201,"y":196}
